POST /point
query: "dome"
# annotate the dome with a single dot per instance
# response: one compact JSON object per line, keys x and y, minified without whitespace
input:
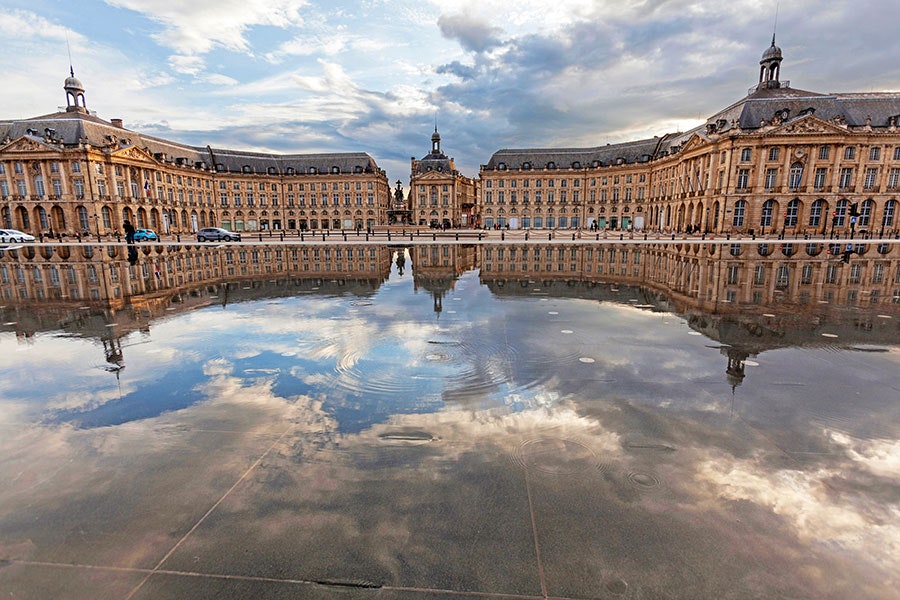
{"x":435,"y":137}
{"x":72,"y":83}
{"x":771,"y":53}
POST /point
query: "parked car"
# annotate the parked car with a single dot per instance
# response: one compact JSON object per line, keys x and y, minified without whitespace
{"x":145,"y":235}
{"x":215,"y":234}
{"x":13,"y":236}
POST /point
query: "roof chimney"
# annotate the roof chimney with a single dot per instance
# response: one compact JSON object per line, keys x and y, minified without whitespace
{"x":117,"y":123}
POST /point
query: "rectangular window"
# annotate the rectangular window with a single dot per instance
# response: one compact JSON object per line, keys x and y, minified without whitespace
{"x":771,"y":178}
{"x":849,"y":153}
{"x":739,"y":213}
{"x":820,"y":178}
{"x":745,"y":154}
{"x":893,"y":178}
{"x":871,"y":178}
{"x":897,"y":153}
{"x":732,"y":274}
{"x":759,"y":275}
{"x":806,"y":274}
{"x":773,"y":153}
{"x":743,"y":178}
{"x":875,"y":153}
{"x":846,"y":177}
{"x":824,"y":152}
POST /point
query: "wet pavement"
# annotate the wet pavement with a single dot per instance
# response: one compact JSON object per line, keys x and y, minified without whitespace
{"x":445,"y":437}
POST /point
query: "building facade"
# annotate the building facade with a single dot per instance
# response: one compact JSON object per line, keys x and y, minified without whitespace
{"x":74,"y":173}
{"x":439,"y":195}
{"x":778,"y":160}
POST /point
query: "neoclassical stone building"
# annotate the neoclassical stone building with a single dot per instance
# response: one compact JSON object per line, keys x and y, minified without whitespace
{"x":72,"y":172}
{"x":440,"y":196}
{"x":780,"y":159}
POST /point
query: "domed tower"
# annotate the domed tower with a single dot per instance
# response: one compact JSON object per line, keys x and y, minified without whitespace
{"x":435,"y":142}
{"x":770,"y":67}
{"x":74,"y":93}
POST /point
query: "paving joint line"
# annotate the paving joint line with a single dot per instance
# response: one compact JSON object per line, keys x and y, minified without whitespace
{"x":208,"y":512}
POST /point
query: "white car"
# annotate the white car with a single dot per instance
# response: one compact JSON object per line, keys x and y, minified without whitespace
{"x":13,"y":236}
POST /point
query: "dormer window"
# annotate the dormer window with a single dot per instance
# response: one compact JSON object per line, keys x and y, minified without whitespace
{"x":551,"y":165}
{"x":272,"y":171}
{"x":313,"y":171}
{"x":290,"y":170}
{"x":526,"y":166}
{"x":576,"y":165}
{"x":246,"y":169}
{"x":335,"y":170}
{"x":501,"y":166}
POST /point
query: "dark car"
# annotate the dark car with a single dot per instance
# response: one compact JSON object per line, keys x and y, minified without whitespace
{"x":216,"y":234}
{"x":145,"y":235}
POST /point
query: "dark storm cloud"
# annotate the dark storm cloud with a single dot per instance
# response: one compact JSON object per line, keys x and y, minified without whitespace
{"x":472,"y":34}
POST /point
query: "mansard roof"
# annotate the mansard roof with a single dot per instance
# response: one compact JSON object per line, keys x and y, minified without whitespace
{"x":72,"y":129}
{"x":567,"y":158}
{"x":763,"y":107}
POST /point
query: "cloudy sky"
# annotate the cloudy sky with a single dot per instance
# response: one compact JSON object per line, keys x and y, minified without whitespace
{"x":374,"y":75}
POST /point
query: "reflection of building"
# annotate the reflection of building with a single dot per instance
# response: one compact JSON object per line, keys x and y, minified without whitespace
{"x":439,"y":195}
{"x":779,"y":159}
{"x":58,"y":273}
{"x":72,"y":172}
{"x":436,"y":267}
{"x":805,"y":289}
{"x":750,"y":297}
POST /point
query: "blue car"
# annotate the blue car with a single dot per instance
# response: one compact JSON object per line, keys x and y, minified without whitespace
{"x":145,"y":235}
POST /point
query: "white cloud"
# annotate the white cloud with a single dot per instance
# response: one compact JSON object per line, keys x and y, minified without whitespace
{"x":197,"y":27}
{"x":186,"y":65}
{"x":25,"y":24}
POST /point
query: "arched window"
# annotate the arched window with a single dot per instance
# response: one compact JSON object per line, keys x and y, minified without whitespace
{"x":796,"y":175}
{"x":865,"y":213}
{"x":768,"y":209}
{"x":7,"y":218}
{"x":42,"y":217}
{"x":815,"y":212}
{"x":790,"y":215}
{"x":107,"y":217}
{"x":889,"y":209}
{"x":840,"y":212}
{"x":740,"y":207}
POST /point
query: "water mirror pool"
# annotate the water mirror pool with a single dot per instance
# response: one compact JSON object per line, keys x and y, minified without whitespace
{"x":691,"y":420}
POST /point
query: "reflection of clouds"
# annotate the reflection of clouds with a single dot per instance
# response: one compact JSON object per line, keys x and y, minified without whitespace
{"x":880,"y":457}
{"x":806,"y":500}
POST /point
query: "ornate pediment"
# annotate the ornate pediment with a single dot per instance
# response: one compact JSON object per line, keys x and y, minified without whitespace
{"x":695,"y":141}
{"x":134,"y":153}
{"x":434,"y":176}
{"x":808,"y":125}
{"x":27,"y":144}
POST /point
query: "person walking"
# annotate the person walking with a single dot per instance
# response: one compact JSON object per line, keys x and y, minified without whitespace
{"x":129,"y":231}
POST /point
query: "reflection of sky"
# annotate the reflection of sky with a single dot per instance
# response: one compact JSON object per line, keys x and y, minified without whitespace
{"x":803,"y":456}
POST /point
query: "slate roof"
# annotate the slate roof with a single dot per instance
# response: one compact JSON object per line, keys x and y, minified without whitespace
{"x":70,"y":129}
{"x":856,"y":110}
{"x":565,"y":158}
